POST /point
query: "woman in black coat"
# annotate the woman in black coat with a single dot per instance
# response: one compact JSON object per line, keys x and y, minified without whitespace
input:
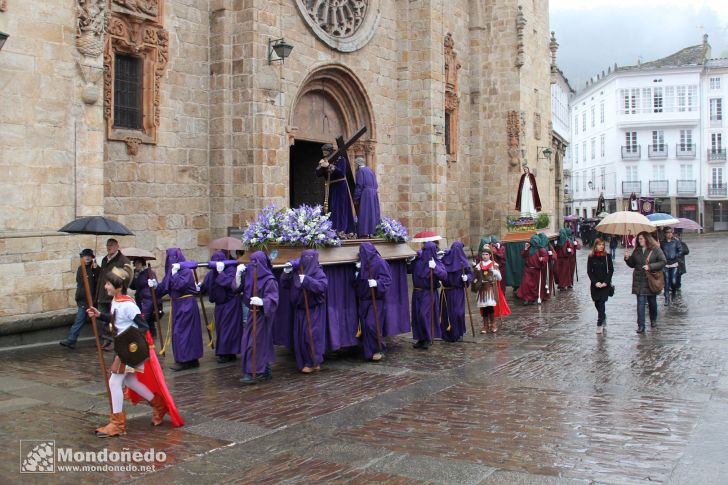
{"x":600,"y":269}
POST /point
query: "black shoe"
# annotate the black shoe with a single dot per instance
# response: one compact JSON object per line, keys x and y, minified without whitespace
{"x":653,"y":324}
{"x":641,"y":330}
{"x":67,"y":344}
{"x":224,"y":359}
{"x":426,"y":344}
{"x":180,"y":366}
{"x":419,"y":344}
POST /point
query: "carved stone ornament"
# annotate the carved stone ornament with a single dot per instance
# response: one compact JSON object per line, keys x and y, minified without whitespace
{"x":132,"y":145}
{"x":343,"y":25}
{"x":452,"y":99}
{"x":537,"y":126}
{"x":520,"y":26}
{"x":133,"y":30}
{"x":513,"y":129}
{"x":90,"y":27}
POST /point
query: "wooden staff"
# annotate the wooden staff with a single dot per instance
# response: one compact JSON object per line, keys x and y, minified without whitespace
{"x":255,"y":316}
{"x":576,"y":264}
{"x":374,"y":307}
{"x":308,"y":315}
{"x":432,"y":297}
{"x":89,"y":303}
{"x":155,"y":307}
{"x":211,"y":344}
{"x":467,"y":299}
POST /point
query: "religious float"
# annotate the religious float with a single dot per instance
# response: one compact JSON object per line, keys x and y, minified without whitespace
{"x":520,"y":229}
{"x":284,"y":233}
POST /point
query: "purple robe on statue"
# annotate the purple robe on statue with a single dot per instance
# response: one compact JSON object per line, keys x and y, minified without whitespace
{"x":315,"y":284}
{"x":366,"y":195}
{"x":340,"y":202}
{"x":423,"y":299}
{"x":186,"y":327}
{"x":266,"y":288}
{"x":453,"y":293}
{"x":372,"y":326}
{"x":228,"y":308}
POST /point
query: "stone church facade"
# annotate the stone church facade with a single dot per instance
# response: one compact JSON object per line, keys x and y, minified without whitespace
{"x":177,"y":118}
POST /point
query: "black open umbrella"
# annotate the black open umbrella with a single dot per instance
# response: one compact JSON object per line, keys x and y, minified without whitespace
{"x":96,"y":225}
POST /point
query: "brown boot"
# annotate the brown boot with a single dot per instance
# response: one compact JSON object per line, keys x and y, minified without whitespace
{"x":493,"y":323}
{"x":159,"y":409}
{"x":116,"y":426}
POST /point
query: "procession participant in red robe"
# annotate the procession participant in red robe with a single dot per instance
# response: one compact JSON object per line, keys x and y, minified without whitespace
{"x":535,"y":258}
{"x":566,"y":248}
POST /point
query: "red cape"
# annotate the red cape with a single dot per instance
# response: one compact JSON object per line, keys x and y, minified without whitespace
{"x":536,"y":198}
{"x":153,"y":378}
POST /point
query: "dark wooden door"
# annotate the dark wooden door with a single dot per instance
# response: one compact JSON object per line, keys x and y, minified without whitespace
{"x":306,"y":187}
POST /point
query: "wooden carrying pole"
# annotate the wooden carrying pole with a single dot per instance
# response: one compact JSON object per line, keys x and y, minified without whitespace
{"x":308,"y":315}
{"x":155,"y":306}
{"x":467,"y":300}
{"x":89,"y":303}
{"x":255,"y":317}
{"x":432,"y":309}
{"x":210,"y":344}
{"x":376,"y":313}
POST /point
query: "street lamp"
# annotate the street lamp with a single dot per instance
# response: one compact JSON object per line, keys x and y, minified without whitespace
{"x":281,"y":48}
{"x":3,"y":38}
{"x":543,"y":153}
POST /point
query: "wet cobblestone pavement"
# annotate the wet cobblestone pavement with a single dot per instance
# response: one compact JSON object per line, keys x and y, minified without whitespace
{"x":547,"y":400}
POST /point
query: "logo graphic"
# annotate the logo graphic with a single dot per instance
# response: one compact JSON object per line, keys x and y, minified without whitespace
{"x":37,"y":456}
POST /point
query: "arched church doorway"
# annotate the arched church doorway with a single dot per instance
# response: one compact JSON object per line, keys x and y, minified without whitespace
{"x":331,"y":103}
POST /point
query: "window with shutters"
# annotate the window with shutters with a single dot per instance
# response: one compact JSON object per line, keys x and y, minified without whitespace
{"x":128,"y":92}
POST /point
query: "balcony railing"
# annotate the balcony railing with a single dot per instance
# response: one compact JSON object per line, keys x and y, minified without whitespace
{"x":657,"y":151}
{"x":685,"y":150}
{"x":633,"y":186}
{"x":659,"y":187}
{"x":717,"y":190}
{"x":631,"y":152}
{"x":687,"y":187}
{"x":716,"y":154}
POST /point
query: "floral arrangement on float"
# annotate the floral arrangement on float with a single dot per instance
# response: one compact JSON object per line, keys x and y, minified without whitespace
{"x":303,"y":226}
{"x":527,"y":223}
{"x":392,"y":230}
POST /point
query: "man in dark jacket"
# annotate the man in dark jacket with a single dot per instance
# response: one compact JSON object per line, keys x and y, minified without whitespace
{"x":113,"y":259}
{"x":672,"y":248}
{"x":92,"y":270}
{"x":681,"y":268}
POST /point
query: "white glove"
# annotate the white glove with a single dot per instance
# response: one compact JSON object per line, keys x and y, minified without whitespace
{"x":358,"y":264}
{"x":220,"y":266}
{"x":175,"y":268}
{"x":372,"y":283}
{"x":238,"y":278}
{"x":432,"y":264}
{"x":497,"y":245}
{"x":152,"y":283}
{"x":301,"y":277}
{"x":238,"y":269}
{"x":550,"y":253}
{"x":287,"y":268}
{"x":255,"y":301}
{"x":465,"y":278}
{"x":440,"y":254}
{"x":197,"y":287}
{"x":568,"y":250}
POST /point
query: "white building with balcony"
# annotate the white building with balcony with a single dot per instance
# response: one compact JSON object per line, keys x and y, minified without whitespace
{"x":637,"y":130}
{"x":713,"y":172}
{"x":561,"y":95}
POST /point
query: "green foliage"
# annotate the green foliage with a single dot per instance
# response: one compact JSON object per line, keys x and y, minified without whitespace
{"x":542,"y":220}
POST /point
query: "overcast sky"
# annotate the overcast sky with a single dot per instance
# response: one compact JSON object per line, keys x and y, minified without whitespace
{"x":594,"y":34}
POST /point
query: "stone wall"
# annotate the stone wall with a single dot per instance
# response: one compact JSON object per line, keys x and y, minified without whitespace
{"x":51,"y":155}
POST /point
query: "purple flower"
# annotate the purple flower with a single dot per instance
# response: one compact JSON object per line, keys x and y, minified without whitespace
{"x":392,"y":230}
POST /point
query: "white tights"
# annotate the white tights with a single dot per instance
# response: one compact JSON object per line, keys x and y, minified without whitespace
{"x":116,"y":386}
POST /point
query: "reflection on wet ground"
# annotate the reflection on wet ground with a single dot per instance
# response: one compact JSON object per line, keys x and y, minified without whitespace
{"x":546,"y":400}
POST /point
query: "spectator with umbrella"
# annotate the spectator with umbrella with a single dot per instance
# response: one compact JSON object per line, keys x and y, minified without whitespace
{"x":113,"y":259}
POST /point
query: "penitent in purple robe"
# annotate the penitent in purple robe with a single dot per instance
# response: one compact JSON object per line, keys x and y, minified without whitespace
{"x":424,"y":298}
{"x":220,"y":288}
{"x":314,"y":287}
{"x":366,"y":195}
{"x":260,"y":270}
{"x":182,"y":291}
{"x":372,"y":325}
{"x":340,"y":201}
{"x":453,"y":315}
